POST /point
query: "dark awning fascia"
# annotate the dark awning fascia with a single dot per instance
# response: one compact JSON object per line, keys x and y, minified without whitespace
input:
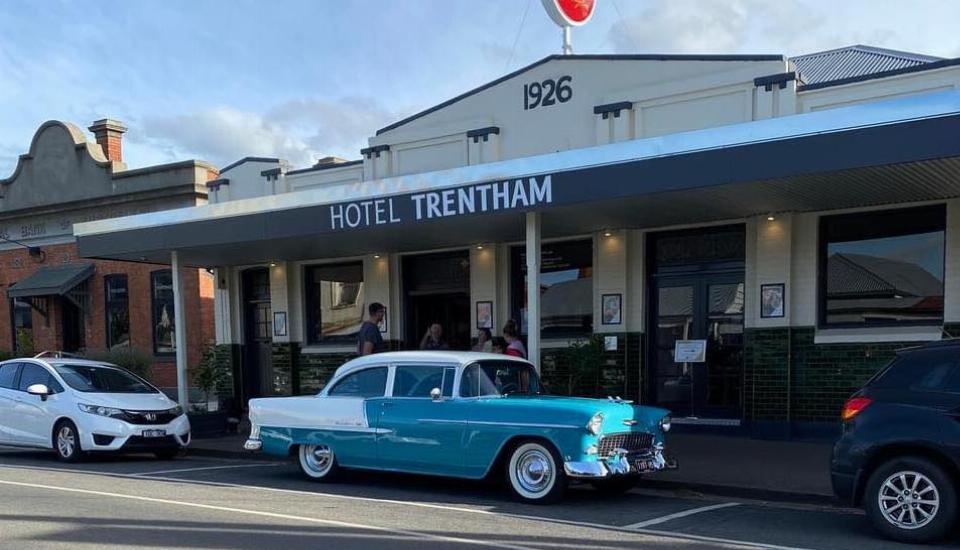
{"x":51,"y":281}
{"x":860,"y":137}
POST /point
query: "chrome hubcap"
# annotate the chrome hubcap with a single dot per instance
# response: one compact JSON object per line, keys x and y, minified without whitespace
{"x":909,"y":500}
{"x":65,"y":441}
{"x":534,"y":471}
{"x":318,"y":458}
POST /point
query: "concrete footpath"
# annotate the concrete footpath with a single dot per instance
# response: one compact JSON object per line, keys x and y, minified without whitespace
{"x":793,"y":471}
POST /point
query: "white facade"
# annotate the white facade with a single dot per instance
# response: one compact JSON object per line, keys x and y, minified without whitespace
{"x":644,"y":97}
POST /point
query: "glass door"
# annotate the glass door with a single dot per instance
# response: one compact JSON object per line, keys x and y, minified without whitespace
{"x":675,"y":320}
{"x":700,"y":307}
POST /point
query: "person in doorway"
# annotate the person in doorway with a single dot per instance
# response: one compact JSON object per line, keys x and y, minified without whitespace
{"x":514,"y":346}
{"x":484,"y":341}
{"x":498,"y":345}
{"x":369,"y":340}
{"x":433,"y":339}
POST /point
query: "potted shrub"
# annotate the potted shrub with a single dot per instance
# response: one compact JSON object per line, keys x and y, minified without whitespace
{"x":207,"y":417}
{"x":584,"y":360}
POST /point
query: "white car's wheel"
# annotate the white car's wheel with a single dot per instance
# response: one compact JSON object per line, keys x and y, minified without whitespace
{"x":66,"y":441}
{"x":535,"y":473}
{"x":318,"y":462}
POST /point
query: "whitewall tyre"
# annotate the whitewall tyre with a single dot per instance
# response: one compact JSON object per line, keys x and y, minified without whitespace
{"x":66,"y":442}
{"x":535,"y":473}
{"x":911,"y":499}
{"x":318,"y":463}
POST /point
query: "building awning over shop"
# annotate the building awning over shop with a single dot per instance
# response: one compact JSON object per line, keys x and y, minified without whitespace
{"x":895,"y":151}
{"x":52,"y":281}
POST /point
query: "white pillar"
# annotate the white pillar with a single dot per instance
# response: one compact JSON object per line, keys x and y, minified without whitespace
{"x":179,"y":330}
{"x":533,"y":288}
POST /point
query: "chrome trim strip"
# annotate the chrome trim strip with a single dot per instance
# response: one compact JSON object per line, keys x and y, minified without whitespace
{"x":489,"y":423}
{"x":774,"y":129}
{"x":586,"y":470}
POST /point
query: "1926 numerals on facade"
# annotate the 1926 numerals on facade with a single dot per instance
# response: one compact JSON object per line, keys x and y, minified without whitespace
{"x":547,"y":92}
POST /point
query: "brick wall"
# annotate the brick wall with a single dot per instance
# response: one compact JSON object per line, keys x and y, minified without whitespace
{"x":16,"y":265}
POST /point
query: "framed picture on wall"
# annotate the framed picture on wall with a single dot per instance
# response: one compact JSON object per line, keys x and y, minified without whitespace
{"x":485,"y":315}
{"x":382,"y":325}
{"x":279,"y":323}
{"x":771,"y":300}
{"x":612,"y":305}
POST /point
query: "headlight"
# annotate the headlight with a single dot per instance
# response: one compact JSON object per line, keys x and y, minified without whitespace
{"x":176,"y":411}
{"x":101,"y":411}
{"x":665,"y":423}
{"x":595,"y":424}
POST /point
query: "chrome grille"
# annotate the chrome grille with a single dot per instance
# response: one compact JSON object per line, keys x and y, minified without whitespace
{"x":632,"y":442}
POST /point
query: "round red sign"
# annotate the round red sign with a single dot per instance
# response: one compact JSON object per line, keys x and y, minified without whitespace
{"x":570,"y":12}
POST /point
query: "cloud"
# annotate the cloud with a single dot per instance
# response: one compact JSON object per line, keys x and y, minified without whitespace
{"x":299,"y":131}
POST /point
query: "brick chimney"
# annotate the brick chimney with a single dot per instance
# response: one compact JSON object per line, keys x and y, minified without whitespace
{"x":109,"y":135}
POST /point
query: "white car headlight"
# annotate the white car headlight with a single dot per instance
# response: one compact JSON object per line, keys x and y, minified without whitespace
{"x":101,"y":410}
{"x":176,"y":411}
{"x":665,"y":423}
{"x":595,"y":424}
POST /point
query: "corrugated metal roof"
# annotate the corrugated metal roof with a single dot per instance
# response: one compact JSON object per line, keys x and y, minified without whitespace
{"x":854,"y":61}
{"x":51,"y":281}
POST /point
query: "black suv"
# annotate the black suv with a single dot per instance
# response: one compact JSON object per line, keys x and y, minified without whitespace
{"x":899,"y":455}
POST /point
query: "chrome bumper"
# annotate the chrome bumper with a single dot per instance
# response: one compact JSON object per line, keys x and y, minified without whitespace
{"x":619,"y":465}
{"x":252,"y":444}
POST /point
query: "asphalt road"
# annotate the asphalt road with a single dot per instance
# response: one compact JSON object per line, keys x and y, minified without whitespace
{"x":136,"y":502}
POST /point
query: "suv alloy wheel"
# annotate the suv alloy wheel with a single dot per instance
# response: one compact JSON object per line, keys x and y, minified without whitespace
{"x":911,"y":499}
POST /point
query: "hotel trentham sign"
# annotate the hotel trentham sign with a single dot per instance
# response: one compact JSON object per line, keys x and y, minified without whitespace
{"x":482,"y":198}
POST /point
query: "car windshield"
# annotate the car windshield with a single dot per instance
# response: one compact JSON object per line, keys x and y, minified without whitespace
{"x":99,"y":379}
{"x":493,"y":378}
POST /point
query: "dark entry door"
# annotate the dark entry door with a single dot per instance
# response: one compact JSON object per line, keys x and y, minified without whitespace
{"x":257,"y":333}
{"x":706,"y":308}
{"x":436,"y":289}
{"x":697,"y":293}
{"x":74,"y":337}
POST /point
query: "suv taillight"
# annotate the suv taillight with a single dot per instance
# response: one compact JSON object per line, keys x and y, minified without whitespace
{"x":854,"y":405}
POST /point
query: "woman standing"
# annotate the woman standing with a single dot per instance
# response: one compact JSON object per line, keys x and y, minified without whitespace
{"x":514,"y":346}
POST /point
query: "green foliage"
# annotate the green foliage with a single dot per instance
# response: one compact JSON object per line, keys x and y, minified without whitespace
{"x":583,"y":361}
{"x":4,"y":355}
{"x":134,"y":360}
{"x":24,"y":345}
{"x":214,"y":374}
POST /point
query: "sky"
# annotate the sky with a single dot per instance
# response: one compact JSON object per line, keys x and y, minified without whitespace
{"x":218,"y":80}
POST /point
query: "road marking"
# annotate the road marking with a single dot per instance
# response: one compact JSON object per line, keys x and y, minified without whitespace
{"x":678,"y":515}
{"x":204,"y":468}
{"x":274,"y":515}
{"x":602,"y":526}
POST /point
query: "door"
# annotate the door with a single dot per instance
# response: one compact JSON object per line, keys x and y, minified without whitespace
{"x":436,"y":290}
{"x":706,"y":307}
{"x":34,"y":420}
{"x":8,"y":394}
{"x":417,"y":433}
{"x":257,"y":334}
{"x":74,"y":338}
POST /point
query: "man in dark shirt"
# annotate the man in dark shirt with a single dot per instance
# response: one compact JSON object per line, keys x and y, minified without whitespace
{"x":369,"y":339}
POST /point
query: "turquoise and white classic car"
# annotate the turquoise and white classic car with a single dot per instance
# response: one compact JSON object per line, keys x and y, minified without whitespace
{"x":459,"y":414}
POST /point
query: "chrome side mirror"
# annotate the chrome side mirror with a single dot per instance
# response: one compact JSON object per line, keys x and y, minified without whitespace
{"x":436,"y":394}
{"x":39,"y":389}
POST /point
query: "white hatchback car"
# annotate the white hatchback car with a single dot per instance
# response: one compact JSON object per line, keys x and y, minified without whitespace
{"x":75,"y":406}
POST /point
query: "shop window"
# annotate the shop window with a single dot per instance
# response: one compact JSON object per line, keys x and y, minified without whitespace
{"x":117,"y":311}
{"x":164,"y":321}
{"x":335,"y":307}
{"x":882,"y":268}
{"x":22,"y":322}
{"x":566,"y":288}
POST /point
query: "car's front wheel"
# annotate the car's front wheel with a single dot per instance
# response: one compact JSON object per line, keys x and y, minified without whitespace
{"x":66,"y":441}
{"x":911,"y":499}
{"x":318,"y":462}
{"x":535,"y":473}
